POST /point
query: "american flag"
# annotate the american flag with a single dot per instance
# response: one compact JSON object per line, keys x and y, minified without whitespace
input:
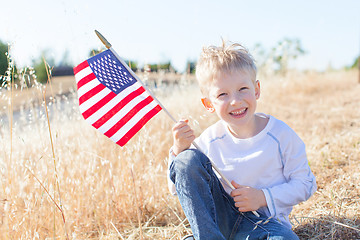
{"x":111,"y":99}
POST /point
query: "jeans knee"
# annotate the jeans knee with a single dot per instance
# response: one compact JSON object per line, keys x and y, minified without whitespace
{"x":189,"y":163}
{"x":191,"y":159}
{"x":283,"y":234}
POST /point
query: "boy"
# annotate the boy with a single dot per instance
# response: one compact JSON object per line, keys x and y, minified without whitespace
{"x":262,"y":157}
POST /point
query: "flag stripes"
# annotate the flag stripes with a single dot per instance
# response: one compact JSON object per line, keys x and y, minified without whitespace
{"x":90,"y":93}
{"x":98,"y":103}
{"x":118,"y":113}
{"x":135,"y":128}
{"x":127,"y":104}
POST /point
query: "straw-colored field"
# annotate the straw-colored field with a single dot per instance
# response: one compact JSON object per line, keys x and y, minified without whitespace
{"x":77,"y":184}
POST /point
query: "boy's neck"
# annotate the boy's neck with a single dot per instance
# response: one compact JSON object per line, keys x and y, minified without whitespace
{"x":252,"y":129}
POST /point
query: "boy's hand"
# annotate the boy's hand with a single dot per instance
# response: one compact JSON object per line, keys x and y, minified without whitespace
{"x":247,"y":198}
{"x":183,"y":136}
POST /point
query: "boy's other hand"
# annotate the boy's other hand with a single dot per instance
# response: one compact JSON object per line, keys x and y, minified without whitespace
{"x":183,"y":136}
{"x":247,"y":198}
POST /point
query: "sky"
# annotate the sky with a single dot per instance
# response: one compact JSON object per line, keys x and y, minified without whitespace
{"x":157,"y":31}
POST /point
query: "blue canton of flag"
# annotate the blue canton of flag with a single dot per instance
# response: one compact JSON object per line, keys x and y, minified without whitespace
{"x":110,"y":72}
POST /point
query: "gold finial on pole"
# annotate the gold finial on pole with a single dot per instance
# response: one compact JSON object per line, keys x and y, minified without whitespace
{"x":103,"y":40}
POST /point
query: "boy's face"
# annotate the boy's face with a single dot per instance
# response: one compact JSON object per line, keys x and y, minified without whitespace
{"x":233,"y":97}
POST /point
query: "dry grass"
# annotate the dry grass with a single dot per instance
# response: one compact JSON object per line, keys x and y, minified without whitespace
{"x":324,"y":110}
{"x":96,"y":177}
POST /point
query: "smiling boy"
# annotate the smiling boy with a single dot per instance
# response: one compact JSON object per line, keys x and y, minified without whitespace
{"x":263,"y":157}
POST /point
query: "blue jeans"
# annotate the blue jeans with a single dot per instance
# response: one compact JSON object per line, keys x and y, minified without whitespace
{"x":211,"y":211}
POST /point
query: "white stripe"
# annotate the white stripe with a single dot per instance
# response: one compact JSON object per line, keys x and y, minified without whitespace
{"x":83,"y":73}
{"x":135,"y":119}
{"x":119,"y":115}
{"x":87,"y":87}
{"x":94,"y":99}
{"x":104,"y":109}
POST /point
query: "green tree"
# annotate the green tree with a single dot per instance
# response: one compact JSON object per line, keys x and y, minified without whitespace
{"x":133,"y":64}
{"x":3,"y":58}
{"x":40,"y":70}
{"x":190,"y":67}
{"x":161,"y":66}
{"x":39,"y":66}
{"x":356,"y":63}
{"x":285,"y":51}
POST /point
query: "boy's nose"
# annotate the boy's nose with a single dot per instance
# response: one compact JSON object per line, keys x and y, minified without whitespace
{"x":235,"y":100}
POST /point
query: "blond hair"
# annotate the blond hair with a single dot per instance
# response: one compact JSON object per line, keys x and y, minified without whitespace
{"x":224,"y":59}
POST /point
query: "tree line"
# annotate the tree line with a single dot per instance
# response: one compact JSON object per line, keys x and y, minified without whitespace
{"x":276,"y":59}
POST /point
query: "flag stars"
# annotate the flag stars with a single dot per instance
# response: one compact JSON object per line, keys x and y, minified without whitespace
{"x":111,"y":72}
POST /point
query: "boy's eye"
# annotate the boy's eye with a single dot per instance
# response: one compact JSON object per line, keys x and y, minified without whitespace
{"x":221,"y":95}
{"x":243,"y":88}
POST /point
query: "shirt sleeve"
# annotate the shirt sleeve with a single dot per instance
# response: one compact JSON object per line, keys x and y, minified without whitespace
{"x":300,"y":182}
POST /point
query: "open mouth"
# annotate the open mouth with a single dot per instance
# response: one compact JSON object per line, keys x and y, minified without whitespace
{"x":238,"y":113}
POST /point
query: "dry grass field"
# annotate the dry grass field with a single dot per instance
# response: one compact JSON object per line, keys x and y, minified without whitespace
{"x":61,"y":179}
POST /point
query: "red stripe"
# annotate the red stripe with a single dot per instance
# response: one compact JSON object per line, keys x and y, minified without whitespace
{"x":98,"y":105}
{"x":138,"y":126}
{"x":85,"y":80}
{"x":91,"y":93}
{"x":118,"y":107}
{"x":128,"y":116}
{"x":80,"y":67}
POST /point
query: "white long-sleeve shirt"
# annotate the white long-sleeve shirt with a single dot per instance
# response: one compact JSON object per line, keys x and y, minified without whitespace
{"x":274,"y":161}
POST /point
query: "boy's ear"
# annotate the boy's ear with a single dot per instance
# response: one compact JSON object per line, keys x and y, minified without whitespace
{"x":208,"y":105}
{"x":257,"y":89}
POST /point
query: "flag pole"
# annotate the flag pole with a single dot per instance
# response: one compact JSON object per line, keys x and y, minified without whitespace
{"x":109,"y":46}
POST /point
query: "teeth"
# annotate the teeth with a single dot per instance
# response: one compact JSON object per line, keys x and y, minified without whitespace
{"x":238,"y":112}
